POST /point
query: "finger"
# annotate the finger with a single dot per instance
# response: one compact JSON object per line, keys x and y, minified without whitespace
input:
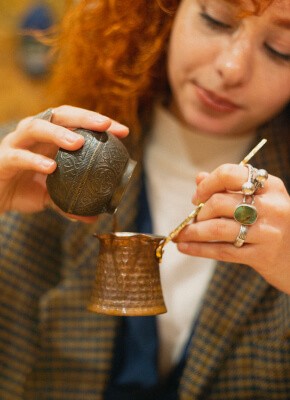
{"x":32,"y":131}
{"x":227,"y":177}
{"x":220,"y":229}
{"x":200,"y":177}
{"x":219,"y":251}
{"x":18,"y":159}
{"x":74,"y":117}
{"x":118,"y":129}
{"x":227,"y":230}
{"x":220,"y":205}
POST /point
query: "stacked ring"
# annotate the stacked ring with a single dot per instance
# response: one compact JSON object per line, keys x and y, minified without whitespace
{"x":246,"y":213}
{"x":248,"y":188}
{"x":260,"y":178}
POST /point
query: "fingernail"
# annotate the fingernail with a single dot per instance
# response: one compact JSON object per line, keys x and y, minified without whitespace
{"x":121,"y":126}
{"x":182,"y":246}
{"x":99,"y":118}
{"x":119,"y":129}
{"x":71,"y":137}
{"x":47,"y":163}
{"x":194,"y":199}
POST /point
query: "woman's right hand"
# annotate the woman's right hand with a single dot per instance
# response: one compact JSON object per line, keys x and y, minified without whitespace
{"x":27,"y":154}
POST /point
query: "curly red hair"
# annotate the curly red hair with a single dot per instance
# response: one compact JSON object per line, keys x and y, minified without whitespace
{"x":112,"y":60}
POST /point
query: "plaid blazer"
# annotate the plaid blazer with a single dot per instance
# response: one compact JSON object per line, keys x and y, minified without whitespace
{"x":52,"y":348}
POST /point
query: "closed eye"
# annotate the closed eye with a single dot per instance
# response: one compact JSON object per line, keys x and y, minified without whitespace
{"x":214,"y":23}
{"x":276,"y":54}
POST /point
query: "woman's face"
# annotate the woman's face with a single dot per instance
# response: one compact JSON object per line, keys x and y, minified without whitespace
{"x":228,"y":75}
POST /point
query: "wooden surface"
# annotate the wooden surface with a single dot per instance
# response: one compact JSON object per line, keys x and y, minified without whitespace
{"x":20,"y":95}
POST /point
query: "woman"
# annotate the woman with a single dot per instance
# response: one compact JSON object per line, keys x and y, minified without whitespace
{"x":198,"y":82}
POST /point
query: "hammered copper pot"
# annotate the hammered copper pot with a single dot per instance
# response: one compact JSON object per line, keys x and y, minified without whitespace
{"x":91,"y":180}
{"x":127,"y":276}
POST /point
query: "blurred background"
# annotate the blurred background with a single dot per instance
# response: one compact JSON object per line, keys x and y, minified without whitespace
{"x":24,"y":62}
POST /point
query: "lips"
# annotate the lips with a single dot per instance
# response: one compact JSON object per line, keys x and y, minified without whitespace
{"x":213,"y":101}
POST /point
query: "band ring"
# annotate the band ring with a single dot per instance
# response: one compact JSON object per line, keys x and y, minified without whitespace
{"x":46,"y":115}
{"x":240,"y":239}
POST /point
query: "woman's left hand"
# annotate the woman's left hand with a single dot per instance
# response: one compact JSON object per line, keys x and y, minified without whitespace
{"x":267,"y":243}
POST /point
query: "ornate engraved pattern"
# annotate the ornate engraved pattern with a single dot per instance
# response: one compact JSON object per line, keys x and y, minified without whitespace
{"x":85,"y":180}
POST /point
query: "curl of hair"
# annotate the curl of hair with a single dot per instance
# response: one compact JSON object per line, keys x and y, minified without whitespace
{"x":111,"y":60}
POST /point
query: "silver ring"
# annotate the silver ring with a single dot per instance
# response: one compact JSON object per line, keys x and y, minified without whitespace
{"x":261,"y":175}
{"x":46,"y":115}
{"x":249,"y":187}
{"x":240,"y":239}
{"x":245,"y":213}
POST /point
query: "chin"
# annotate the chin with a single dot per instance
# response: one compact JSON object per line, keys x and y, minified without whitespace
{"x":209,"y":126}
{"x":203,"y":125}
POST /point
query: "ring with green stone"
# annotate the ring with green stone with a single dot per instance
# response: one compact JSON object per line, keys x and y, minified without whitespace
{"x":246,"y":214}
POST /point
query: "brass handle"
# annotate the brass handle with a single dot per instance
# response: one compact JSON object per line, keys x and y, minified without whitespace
{"x":175,"y":232}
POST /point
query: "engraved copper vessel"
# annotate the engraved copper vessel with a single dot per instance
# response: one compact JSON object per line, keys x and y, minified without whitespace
{"x":91,"y":180}
{"x":127,"y":276}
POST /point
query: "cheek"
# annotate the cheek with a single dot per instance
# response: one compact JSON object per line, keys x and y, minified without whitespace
{"x":274,"y":99}
{"x":181,"y":50}
{"x":175,"y":71}
{"x":286,"y":93}
{"x":176,"y":57}
{"x":272,"y":86}
{"x":191,"y":55}
{"x":183,"y":60}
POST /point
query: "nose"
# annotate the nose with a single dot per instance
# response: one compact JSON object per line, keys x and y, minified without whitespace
{"x":234,"y":63}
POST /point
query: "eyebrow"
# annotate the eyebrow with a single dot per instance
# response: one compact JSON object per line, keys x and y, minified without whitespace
{"x":282,"y":22}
